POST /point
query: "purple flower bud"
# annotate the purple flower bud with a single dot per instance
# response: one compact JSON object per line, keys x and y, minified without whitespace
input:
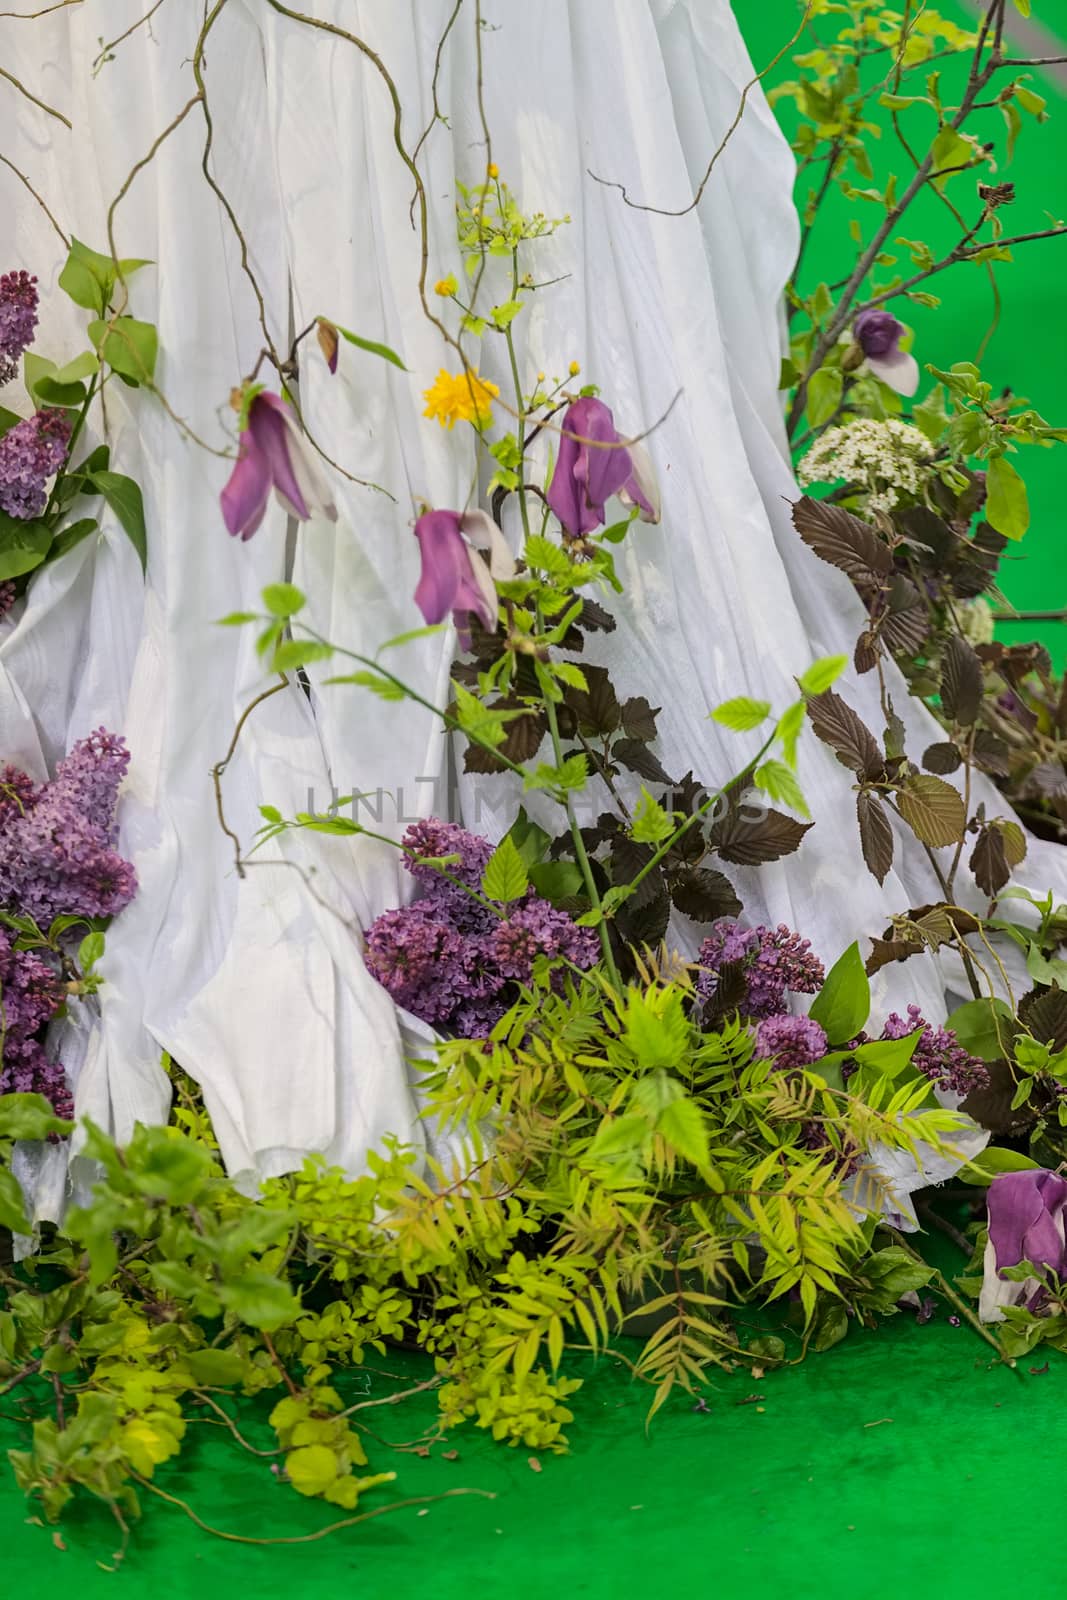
{"x":878,"y":335}
{"x":18,"y":320}
{"x":592,"y":466}
{"x":272,"y":454}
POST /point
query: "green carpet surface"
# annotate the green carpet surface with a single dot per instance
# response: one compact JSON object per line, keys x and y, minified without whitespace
{"x":896,"y":1463}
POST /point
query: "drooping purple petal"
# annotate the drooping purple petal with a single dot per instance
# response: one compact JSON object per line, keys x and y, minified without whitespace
{"x":1026,"y":1219}
{"x":587,"y":473}
{"x":448,"y":581}
{"x":877,"y":332}
{"x":244,"y":499}
{"x":266,"y":423}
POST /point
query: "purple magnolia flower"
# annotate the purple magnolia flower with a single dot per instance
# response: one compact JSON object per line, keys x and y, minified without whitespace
{"x":878,"y":335}
{"x":1026,"y":1223}
{"x":593,"y":465}
{"x":30,"y":453}
{"x":454,"y":577}
{"x":272,"y":454}
{"x":790,"y":1041}
{"x":18,"y":320}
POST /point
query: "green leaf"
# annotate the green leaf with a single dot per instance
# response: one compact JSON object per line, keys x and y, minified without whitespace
{"x":29,"y":1116}
{"x":23,"y":546}
{"x":90,"y":950}
{"x":128,"y":346}
{"x":681,"y":1123}
{"x":12,"y":1206}
{"x":950,"y":150}
{"x":505,"y":878}
{"x":529,"y":838}
{"x":234,"y":619}
{"x":260,"y":1299}
{"x":557,"y":880}
{"x":741,"y":714}
{"x":843,"y":1004}
{"x":72,"y":535}
{"x":312,"y":1468}
{"x":933,"y":809}
{"x":43,"y":387}
{"x":824,"y":395}
{"x":412,"y":633}
{"x":283,"y":599}
{"x":780,"y":783}
{"x":88,"y":277}
{"x":822,"y":673}
{"x":124,"y":498}
{"x":293,"y":653}
{"x":975,"y":1024}
{"x":371,"y":346}
{"x":619,"y":1136}
{"x":994,"y":1160}
{"x":1007,"y":506}
{"x":651,"y":823}
{"x":383,"y":687}
{"x":504,"y":315}
{"x":216,"y":1369}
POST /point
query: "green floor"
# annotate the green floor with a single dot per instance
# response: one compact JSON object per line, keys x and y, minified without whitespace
{"x":900,"y":1463}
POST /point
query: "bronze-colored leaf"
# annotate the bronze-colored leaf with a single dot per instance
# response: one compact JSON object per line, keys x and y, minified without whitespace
{"x":933,"y":809}
{"x":597,"y":707}
{"x":641,"y":923}
{"x":522,"y":741}
{"x":750,"y":843}
{"x":703,"y":894}
{"x":1014,"y":841}
{"x":842,"y":540}
{"x":595,"y":618}
{"x":865,"y":655}
{"x":628,"y":858}
{"x":639,"y":719}
{"x":837,"y":725}
{"x":635,"y":755}
{"x":991,"y":753}
{"x":876,"y":834}
{"x":943,"y":757}
{"x":906,"y":622}
{"x":991,"y":1106}
{"x":1050,"y":779}
{"x":989,"y":861}
{"x":1046,"y":1016}
{"x":961,"y":681}
{"x":885,"y":951}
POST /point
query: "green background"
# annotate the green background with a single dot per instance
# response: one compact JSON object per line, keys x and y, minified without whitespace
{"x":1029,"y":350}
{"x":901,"y":1462}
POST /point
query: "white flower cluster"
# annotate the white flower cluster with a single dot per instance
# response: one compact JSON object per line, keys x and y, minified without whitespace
{"x":975,"y":619}
{"x":882,"y":459}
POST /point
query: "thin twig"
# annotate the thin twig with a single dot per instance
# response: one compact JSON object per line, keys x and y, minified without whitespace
{"x":21,"y":176}
{"x":321,"y":1533}
{"x":34,"y":100}
{"x":662,"y":211}
{"x":31,"y":16}
{"x":220,"y":767}
{"x":105,"y":52}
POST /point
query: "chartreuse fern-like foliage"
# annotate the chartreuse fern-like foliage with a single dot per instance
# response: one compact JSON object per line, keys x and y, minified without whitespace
{"x":609,"y":1160}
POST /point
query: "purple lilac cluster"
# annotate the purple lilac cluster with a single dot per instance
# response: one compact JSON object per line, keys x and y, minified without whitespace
{"x":30,"y":994}
{"x":18,"y":320}
{"x":939,"y":1055}
{"x":773,"y":961}
{"x":8,"y":594}
{"x":57,"y":842}
{"x":790,"y":1041}
{"x":30,"y":453}
{"x":450,"y":959}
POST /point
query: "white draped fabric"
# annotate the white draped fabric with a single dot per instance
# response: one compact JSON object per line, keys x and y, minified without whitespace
{"x":256,"y":984}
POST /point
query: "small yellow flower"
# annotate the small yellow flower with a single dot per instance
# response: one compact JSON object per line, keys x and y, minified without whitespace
{"x":492,"y":170}
{"x":464,"y":397}
{"x":540,"y":377}
{"x":574,"y":368}
{"x":445,"y":286}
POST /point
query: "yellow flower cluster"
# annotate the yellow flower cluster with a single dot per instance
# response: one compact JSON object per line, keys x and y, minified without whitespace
{"x":461,"y":398}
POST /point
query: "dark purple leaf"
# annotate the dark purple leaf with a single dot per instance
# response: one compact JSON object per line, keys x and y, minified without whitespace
{"x":837,"y":725}
{"x":750,"y":843}
{"x":961,"y":681}
{"x":943,"y":757}
{"x":842,"y":540}
{"x":703,"y":894}
{"x":989,"y":862}
{"x":876,"y":834}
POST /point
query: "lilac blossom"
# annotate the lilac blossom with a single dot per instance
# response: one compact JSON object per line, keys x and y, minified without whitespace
{"x":878,"y":335}
{"x":30,"y":453}
{"x":451,"y":958}
{"x":593,"y":465}
{"x":939,"y":1055}
{"x":30,"y":995}
{"x":790,"y":1041}
{"x":1027,"y":1212}
{"x":8,"y":594}
{"x":773,"y":961}
{"x":454,"y":577}
{"x":18,"y":320}
{"x":272,"y":454}
{"x":57,"y":842}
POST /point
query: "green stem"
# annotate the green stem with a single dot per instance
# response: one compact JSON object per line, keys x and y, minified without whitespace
{"x":954,"y":1299}
{"x":79,"y":424}
{"x":520,"y":426}
{"x":690,"y":821}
